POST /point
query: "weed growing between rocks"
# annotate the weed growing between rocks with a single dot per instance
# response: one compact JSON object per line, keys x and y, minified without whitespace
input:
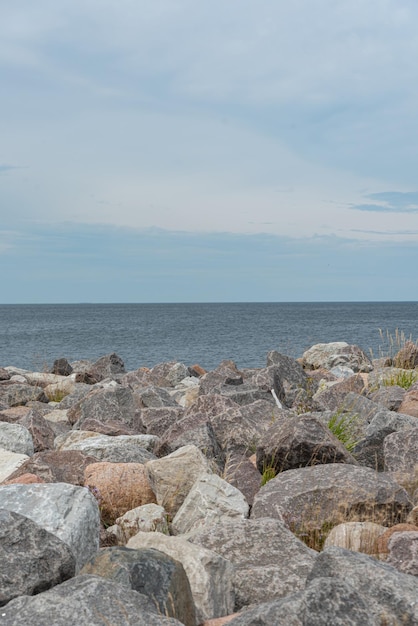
{"x":341,"y":425}
{"x":392,"y":343}
{"x":401,"y":378}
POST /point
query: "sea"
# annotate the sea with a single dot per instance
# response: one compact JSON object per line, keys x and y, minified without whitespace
{"x":32,"y":336}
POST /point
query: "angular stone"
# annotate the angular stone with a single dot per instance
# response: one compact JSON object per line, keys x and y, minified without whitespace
{"x":324,"y":602}
{"x":68,"y":512}
{"x":172,"y":477}
{"x":192,"y":430}
{"x":16,"y":438}
{"x":269,"y":561}
{"x":333,"y":397}
{"x":391,"y":596}
{"x":225,"y":374}
{"x":40,"y":429}
{"x":384,"y":538}
{"x":24,"y":479}
{"x":86,"y":601}
{"x":154,"y":397}
{"x":401,"y":451}
{"x":210,"y":575}
{"x":32,"y":559}
{"x":10,"y":462}
{"x":409,"y":405}
{"x":152,"y":573}
{"x":62,"y":367}
{"x":108,"y":366}
{"x":105,"y":404}
{"x":111,"y":428}
{"x":241,"y":473}
{"x":299,"y":442}
{"x":403,"y":552}
{"x":314,"y":498}
{"x":390,"y":419}
{"x":244,"y":394}
{"x":157,"y":420}
{"x":328,"y":355}
{"x":66,"y":466}
{"x":119,"y":487}
{"x":209,"y":501}
{"x":16,"y":394}
{"x":145,"y":518}
{"x":120,"y":449}
{"x":168,"y":374}
{"x":390,"y":397}
{"x":407,"y":357}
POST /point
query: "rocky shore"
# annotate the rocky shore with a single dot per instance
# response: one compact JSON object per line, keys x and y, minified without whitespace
{"x":285,"y":495}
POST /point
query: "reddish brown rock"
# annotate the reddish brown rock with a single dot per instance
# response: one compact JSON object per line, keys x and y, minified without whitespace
{"x":409,"y":405}
{"x":197,"y":370}
{"x":383,"y":540}
{"x":118,"y":487}
{"x":52,"y":466}
{"x":14,"y":413}
{"x":42,"y":433}
{"x":25,"y":479}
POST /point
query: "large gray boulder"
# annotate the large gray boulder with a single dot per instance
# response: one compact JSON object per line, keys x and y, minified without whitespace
{"x":403,"y":552}
{"x":68,"y":512}
{"x":210,"y":500}
{"x":86,"y":601}
{"x":108,"y":366}
{"x":312,"y":499}
{"x":391,"y":596}
{"x":16,"y":438}
{"x":401,"y":451}
{"x":150,"y":572}
{"x":299,"y":442}
{"x":52,"y":466}
{"x":329,"y":355}
{"x":32,"y":559}
{"x":114,"y":403}
{"x":17,"y":394}
{"x":119,"y":449}
{"x":324,"y":602}
{"x":269,"y":561}
{"x":210,"y":575}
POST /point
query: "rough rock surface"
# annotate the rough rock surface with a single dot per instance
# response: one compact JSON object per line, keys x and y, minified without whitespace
{"x":32,"y":559}
{"x":209,"y":574}
{"x":269,"y":561}
{"x":403,"y":552}
{"x":86,"y":601}
{"x":68,"y":512}
{"x":16,"y":438}
{"x":66,"y":466}
{"x":328,"y":355}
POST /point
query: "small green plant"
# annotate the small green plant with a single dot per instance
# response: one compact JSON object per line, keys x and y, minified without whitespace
{"x":269,"y":472}
{"x":341,"y":425}
{"x":401,"y":378}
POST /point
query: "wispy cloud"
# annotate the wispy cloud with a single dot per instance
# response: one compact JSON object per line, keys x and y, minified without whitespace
{"x":390,"y":202}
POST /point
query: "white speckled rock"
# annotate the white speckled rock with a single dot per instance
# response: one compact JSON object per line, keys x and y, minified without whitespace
{"x":67,"y":511}
{"x":16,"y":438}
{"x":10,"y":462}
{"x":210,"y":500}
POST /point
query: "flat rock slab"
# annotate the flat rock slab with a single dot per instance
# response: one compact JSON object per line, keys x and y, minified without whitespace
{"x":32,"y":559}
{"x":70,"y":513}
{"x":10,"y":462}
{"x":86,"y":601}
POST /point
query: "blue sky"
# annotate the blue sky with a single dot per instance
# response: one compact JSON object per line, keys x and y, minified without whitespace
{"x":208,"y":151}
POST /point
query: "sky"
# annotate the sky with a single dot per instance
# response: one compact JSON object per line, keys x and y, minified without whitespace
{"x":222,"y":150}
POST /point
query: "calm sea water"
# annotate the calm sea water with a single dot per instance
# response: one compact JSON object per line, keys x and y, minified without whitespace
{"x":33,"y":336}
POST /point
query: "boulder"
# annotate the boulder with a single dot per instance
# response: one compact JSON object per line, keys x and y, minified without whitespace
{"x":324,"y":602}
{"x":120,"y":449}
{"x":334,"y":396}
{"x":391,"y":596}
{"x":243,"y":394}
{"x":226,"y":374}
{"x":299,"y":442}
{"x":32,"y":559}
{"x":55,"y":392}
{"x":210,"y":576}
{"x":108,"y":366}
{"x":15,"y":394}
{"x":157,"y":420}
{"x":172,"y":477}
{"x":407,"y":357}
{"x":10,"y":462}
{"x":62,"y":367}
{"x":384,"y":538}
{"x":118,"y":487}
{"x":269,"y":561}
{"x":146,"y":518}
{"x":403,"y":552}
{"x":168,"y":374}
{"x":152,"y":573}
{"x":66,"y":466}
{"x":357,"y":536}
{"x":16,"y":438}
{"x":314,"y":499}
{"x":240,"y":472}
{"x":328,"y":355}
{"x":112,"y":428}
{"x":210,"y":500}
{"x":153,"y":396}
{"x":68,"y":512}
{"x":409,"y":405}
{"x":401,"y":451}
{"x":40,"y":429}
{"x":390,"y":397}
{"x":86,"y":601}
{"x":105,"y":404}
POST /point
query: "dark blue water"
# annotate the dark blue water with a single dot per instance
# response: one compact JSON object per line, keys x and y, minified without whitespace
{"x":33,"y":336}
